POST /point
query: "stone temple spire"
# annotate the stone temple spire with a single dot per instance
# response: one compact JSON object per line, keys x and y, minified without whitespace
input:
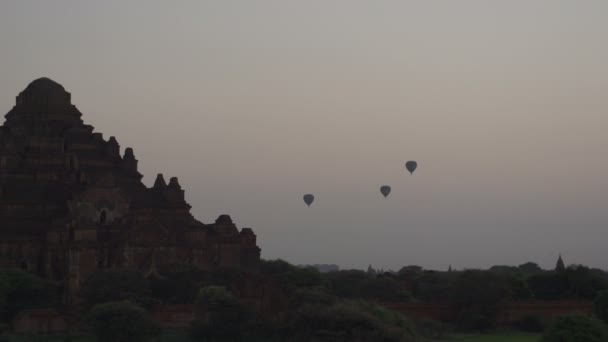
{"x":560,"y":266}
{"x":70,"y":204}
{"x":43,"y":100}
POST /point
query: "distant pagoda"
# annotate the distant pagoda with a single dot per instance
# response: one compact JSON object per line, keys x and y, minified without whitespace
{"x":560,"y":266}
{"x":70,"y":204}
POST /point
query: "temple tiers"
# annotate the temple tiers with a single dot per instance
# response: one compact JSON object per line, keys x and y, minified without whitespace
{"x":71,"y":204}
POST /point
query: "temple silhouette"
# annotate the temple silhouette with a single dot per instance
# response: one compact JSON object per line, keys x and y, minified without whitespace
{"x":71,"y":204}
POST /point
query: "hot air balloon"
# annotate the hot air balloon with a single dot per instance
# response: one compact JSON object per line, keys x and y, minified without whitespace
{"x":411,"y":166}
{"x":385,"y":190}
{"x":308,"y":199}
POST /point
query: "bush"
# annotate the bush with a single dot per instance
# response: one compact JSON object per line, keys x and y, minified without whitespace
{"x":179,"y":284}
{"x":219,"y":315}
{"x":21,"y":290}
{"x":347,"y":321}
{"x":431,"y":329}
{"x":4,"y":327}
{"x":601,"y":306}
{"x":530,"y":323}
{"x":117,"y":285}
{"x":358,"y":284}
{"x":121,"y":322}
{"x":549,"y":286}
{"x":310,"y":296}
{"x":576,"y":328}
{"x":273,"y":267}
{"x":479,"y":297}
{"x":386,"y":316}
{"x":303,"y":277}
{"x":474,"y":320}
{"x":174,"y":336}
{"x":347,"y":283}
{"x":432,"y":285}
{"x":383,"y":289}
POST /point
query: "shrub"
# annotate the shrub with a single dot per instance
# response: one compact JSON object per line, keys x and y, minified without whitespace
{"x":383,"y":289}
{"x":549,"y":286}
{"x":386,"y":316}
{"x":117,"y":285}
{"x":347,"y":321}
{"x":431,"y":329}
{"x":121,"y":322}
{"x":529,"y":323}
{"x":310,"y":296}
{"x":601,"y":306}
{"x":576,"y":328}
{"x":347,"y":283}
{"x":474,"y":320}
{"x":303,"y":277}
{"x":479,"y":297}
{"x":179,"y":284}
{"x":432,"y":285}
{"x":21,"y":290}
{"x":219,"y":315}
{"x":273,"y":267}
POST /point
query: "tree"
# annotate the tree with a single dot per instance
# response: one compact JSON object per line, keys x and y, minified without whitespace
{"x":117,"y":285}
{"x":432,"y":285}
{"x":583,"y":283}
{"x":273,"y":267}
{"x":479,"y":297}
{"x":501,"y":269}
{"x":576,"y":281}
{"x":310,"y":296}
{"x":601,"y":306}
{"x":304,"y":277}
{"x":21,"y":290}
{"x":383,"y":289}
{"x":519,"y":288}
{"x":576,"y":328}
{"x":347,"y":283}
{"x":549,"y":286}
{"x":219,"y":315}
{"x":530,"y":268}
{"x":121,"y":322}
{"x":347,"y":321}
{"x":178,"y":284}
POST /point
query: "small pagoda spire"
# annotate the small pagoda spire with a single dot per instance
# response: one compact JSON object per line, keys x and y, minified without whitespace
{"x":174,"y":183}
{"x":371,"y":270}
{"x":560,"y":266}
{"x":159,"y":183}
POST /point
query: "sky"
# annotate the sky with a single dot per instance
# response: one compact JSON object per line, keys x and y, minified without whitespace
{"x":252,"y":104}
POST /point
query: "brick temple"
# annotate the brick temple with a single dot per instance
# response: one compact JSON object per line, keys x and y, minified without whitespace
{"x":71,"y":204}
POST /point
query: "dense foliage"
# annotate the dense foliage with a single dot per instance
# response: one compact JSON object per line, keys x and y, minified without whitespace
{"x":576,"y":328}
{"x":177,"y":284}
{"x":347,"y":321}
{"x":601,"y":306}
{"x":479,"y":297}
{"x":312,"y":315}
{"x":20,"y":290}
{"x":121,"y":322}
{"x":301,"y":303}
{"x":219,"y":315}
{"x":117,"y":285}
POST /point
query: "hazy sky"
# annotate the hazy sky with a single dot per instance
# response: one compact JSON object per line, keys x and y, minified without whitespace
{"x":251,"y":104}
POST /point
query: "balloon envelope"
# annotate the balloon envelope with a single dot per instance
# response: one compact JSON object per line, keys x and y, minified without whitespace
{"x":385,"y":190}
{"x":411,"y":166}
{"x":308,"y":199}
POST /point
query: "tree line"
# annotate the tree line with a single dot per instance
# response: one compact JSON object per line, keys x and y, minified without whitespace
{"x":303,"y":304}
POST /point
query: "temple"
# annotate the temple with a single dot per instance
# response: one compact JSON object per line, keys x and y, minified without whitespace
{"x":71,"y":204}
